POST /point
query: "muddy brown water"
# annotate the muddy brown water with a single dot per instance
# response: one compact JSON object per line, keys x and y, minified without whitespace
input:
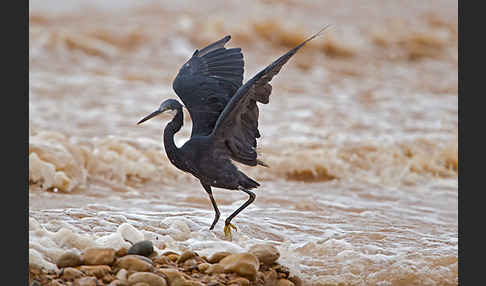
{"x":360,"y":134}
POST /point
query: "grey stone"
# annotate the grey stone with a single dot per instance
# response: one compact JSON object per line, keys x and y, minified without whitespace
{"x":144,"y":248}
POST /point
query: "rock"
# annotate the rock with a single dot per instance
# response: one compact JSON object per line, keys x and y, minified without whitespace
{"x":98,"y":256}
{"x":118,"y":283}
{"x":270,"y":277}
{"x":167,"y":253}
{"x":85,"y":281}
{"x":215,"y":269}
{"x":240,"y":281}
{"x":132,"y":262}
{"x":296,"y":280}
{"x":95,"y":270}
{"x":216,"y":257}
{"x":266,"y":253}
{"x":141,"y":284}
{"x":143,"y":258}
{"x":284,"y":282}
{"x":244,"y":264}
{"x":150,"y":278}
{"x":191,"y":283}
{"x":70,"y":273}
{"x":108,"y":278}
{"x":260,"y":279}
{"x":52,"y":283}
{"x":121,"y":252}
{"x":174,"y":276}
{"x":173,"y":257}
{"x":282,"y":271}
{"x":153,"y":255}
{"x":203,"y":267}
{"x":122,"y":274}
{"x":161,"y":259}
{"x":185,"y":256}
{"x":69,"y":259}
{"x":190,"y":264}
{"x":144,"y":248}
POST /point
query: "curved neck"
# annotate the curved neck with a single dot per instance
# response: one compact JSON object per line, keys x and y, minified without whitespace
{"x":170,"y":130}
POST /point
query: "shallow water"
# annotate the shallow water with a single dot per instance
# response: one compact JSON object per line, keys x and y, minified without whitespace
{"x":360,"y":135}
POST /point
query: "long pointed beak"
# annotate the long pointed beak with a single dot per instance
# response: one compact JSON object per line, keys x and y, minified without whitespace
{"x":153,"y":114}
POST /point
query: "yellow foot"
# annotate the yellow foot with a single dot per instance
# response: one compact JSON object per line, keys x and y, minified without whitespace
{"x":227,"y":230}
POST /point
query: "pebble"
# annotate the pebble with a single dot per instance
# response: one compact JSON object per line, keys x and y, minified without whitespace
{"x":296,"y":280}
{"x":174,"y":276}
{"x":142,"y":258}
{"x":132,"y":262}
{"x":177,"y":278}
{"x":270,"y":277}
{"x":121,"y":252}
{"x":161,"y":259}
{"x":169,"y":252}
{"x":283,"y":272}
{"x":170,"y":268}
{"x":240,"y":281}
{"x":215,"y":269}
{"x":173,"y":257}
{"x":216,"y":257}
{"x":260,"y":278}
{"x":108,"y":278}
{"x":203,"y":267}
{"x":122,"y":274}
{"x":85,"y":281}
{"x":118,"y":283}
{"x":144,"y":248}
{"x":98,"y":256}
{"x":191,"y":283}
{"x":266,"y":253}
{"x":185,"y":256}
{"x":70,"y":273}
{"x":95,"y":270}
{"x":284,"y":282}
{"x":244,"y":264}
{"x":69,"y":259}
{"x":191,"y":263}
{"x":150,"y":278}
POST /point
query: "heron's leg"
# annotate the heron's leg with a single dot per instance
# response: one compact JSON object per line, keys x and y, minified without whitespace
{"x":227,"y":224}
{"x":216,"y":210}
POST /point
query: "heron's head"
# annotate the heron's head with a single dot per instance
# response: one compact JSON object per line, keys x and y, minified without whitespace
{"x":167,"y":105}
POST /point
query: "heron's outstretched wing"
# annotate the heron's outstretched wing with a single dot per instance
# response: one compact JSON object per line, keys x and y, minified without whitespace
{"x":207,"y":81}
{"x":237,"y":126}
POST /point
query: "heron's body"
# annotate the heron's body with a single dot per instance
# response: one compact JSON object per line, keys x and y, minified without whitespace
{"x":224,"y":114}
{"x":200,"y":157}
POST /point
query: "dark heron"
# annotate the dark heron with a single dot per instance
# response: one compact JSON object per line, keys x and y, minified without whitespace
{"x":224,"y":115}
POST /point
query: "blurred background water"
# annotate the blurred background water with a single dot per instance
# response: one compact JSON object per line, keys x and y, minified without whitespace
{"x":360,"y":133}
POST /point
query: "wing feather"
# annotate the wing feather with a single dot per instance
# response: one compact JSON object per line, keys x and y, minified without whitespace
{"x":207,"y":81}
{"x":237,"y":126}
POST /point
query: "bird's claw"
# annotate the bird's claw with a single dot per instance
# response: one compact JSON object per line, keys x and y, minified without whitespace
{"x":227,"y":230}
